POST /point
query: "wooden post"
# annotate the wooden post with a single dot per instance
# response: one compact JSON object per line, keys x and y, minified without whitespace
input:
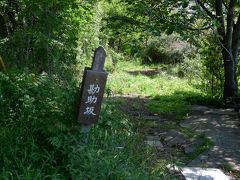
{"x":99,"y":59}
{"x":92,"y":90}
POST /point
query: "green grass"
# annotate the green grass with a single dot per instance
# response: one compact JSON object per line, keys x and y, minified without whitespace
{"x":173,"y":107}
{"x":40,"y":138}
{"x":122,"y":82}
{"x":171,"y":95}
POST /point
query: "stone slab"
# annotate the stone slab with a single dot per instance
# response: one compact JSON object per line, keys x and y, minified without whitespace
{"x":154,"y":144}
{"x":154,"y":141}
{"x":196,"y":173}
{"x":174,"y":138}
{"x":221,"y":126}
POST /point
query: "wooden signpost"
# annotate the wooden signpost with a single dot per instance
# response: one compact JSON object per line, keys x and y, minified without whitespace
{"x":92,"y":90}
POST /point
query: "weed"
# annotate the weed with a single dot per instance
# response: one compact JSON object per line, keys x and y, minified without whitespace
{"x":40,"y":139}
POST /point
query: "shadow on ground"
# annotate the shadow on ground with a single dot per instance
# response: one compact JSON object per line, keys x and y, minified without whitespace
{"x":145,"y":72}
{"x":221,"y":126}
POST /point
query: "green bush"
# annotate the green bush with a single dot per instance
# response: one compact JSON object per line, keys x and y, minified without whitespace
{"x":33,"y":109}
{"x":212,"y":65}
{"x":40,"y":139}
{"x":166,"y":50}
{"x":191,"y":68}
{"x":47,"y":36}
{"x":34,"y":103}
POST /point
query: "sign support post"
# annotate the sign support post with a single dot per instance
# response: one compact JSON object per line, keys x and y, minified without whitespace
{"x":92,"y":90}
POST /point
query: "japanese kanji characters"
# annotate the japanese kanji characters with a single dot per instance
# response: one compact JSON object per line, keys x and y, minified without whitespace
{"x":93,"y":89}
{"x":91,"y":99}
{"x":89,"y":111}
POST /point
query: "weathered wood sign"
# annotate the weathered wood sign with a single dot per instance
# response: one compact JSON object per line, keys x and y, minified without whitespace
{"x":92,"y":90}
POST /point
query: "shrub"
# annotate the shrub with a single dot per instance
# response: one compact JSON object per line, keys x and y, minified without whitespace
{"x":40,"y":140}
{"x":191,"y":68}
{"x":213,"y":73}
{"x":166,"y":50}
{"x":48,"y":35}
{"x":33,"y":109}
{"x":34,"y":103}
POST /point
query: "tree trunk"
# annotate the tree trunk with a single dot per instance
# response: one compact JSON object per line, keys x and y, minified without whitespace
{"x":235,"y":60}
{"x":3,"y":28}
{"x":230,"y":85}
{"x":228,"y":29}
{"x":235,"y":48}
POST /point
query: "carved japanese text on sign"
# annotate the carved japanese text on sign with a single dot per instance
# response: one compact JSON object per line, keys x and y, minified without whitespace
{"x":91,"y":96}
{"x":91,"y":99}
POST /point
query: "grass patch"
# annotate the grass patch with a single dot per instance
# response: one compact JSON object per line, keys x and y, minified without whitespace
{"x":173,"y":107}
{"x":177,"y":106}
{"x":38,"y":127}
{"x":171,"y":95}
{"x":207,"y":144}
{"x":160,"y":84}
{"x":40,"y":139}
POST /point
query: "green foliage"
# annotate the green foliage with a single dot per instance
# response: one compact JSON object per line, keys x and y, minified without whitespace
{"x":33,"y":108}
{"x":44,"y":35}
{"x":191,"y":68}
{"x":171,"y":96}
{"x":35,"y":103}
{"x":111,"y":151}
{"x":40,"y":139}
{"x":38,"y":127}
{"x":131,"y":77}
{"x":121,"y":30}
{"x":174,"y":106}
{"x":213,"y":72}
{"x":177,"y":106}
{"x":129,"y":24}
{"x":166,"y":50}
{"x":49,"y":41}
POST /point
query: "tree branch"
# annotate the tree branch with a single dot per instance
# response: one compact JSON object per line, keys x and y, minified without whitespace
{"x":200,"y":28}
{"x":225,"y":5}
{"x":209,"y":13}
{"x":220,"y":18}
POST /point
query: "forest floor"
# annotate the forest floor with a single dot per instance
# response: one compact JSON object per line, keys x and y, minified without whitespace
{"x":222,"y":127}
{"x":182,"y":123}
{"x":208,"y":138}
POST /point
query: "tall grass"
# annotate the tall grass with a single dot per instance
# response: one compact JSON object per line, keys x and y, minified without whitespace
{"x":40,"y":139}
{"x":170,"y":94}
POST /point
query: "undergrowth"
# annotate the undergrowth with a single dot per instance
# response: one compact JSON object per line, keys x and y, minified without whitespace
{"x":40,"y":139}
{"x":170,"y":94}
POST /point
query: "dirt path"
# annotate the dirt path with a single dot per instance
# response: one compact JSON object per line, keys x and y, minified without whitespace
{"x":173,"y":141}
{"x":222,"y":127}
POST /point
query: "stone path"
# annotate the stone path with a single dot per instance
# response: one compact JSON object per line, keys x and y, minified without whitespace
{"x":222,"y":127}
{"x":203,"y":174}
